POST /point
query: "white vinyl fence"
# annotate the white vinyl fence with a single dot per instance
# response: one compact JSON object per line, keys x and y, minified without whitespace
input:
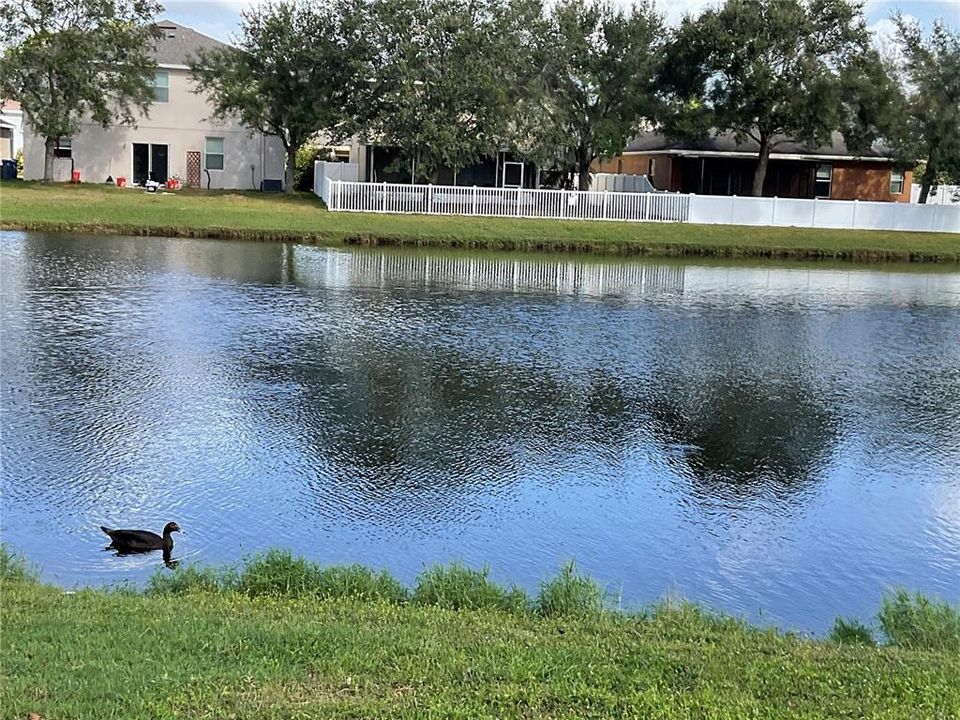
{"x":940,"y":195}
{"x":503,"y":202}
{"x":345,"y":196}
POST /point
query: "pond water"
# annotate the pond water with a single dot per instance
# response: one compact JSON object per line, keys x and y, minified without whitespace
{"x":781,"y":443}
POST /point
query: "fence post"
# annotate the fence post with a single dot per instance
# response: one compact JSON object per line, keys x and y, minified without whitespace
{"x":733,"y":206}
{"x":894,"y":223}
{"x":563,"y":204}
{"x":339,"y":195}
{"x":383,"y":200}
{"x":773,"y":212}
{"x":813,"y":221}
{"x":853,"y":220}
{"x":518,"y":203}
{"x":474,"y":199}
{"x":430,"y":199}
{"x":606,"y":198}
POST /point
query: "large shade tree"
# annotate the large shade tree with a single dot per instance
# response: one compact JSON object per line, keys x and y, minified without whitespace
{"x":292,"y":74}
{"x":72,"y":61}
{"x":597,"y":87}
{"x":444,"y":84}
{"x":776,"y":71}
{"x":930,"y":130}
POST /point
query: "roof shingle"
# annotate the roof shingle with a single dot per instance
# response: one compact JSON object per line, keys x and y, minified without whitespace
{"x":178,"y":44}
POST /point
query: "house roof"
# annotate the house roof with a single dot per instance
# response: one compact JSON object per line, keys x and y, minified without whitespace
{"x":9,"y":105}
{"x":178,"y":43}
{"x":726,"y":144}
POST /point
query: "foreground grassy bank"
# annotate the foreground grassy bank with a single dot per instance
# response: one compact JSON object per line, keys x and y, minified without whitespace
{"x":284,"y":638}
{"x":301,"y":218}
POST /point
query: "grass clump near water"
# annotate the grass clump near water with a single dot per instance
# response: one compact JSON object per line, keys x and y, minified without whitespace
{"x":13,"y":567}
{"x":458,"y":587}
{"x":246,"y":215}
{"x":273,"y":639}
{"x":918,"y":622}
{"x":570,"y":594}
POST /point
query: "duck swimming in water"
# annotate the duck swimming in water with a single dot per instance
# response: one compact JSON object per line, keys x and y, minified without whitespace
{"x":137,"y":541}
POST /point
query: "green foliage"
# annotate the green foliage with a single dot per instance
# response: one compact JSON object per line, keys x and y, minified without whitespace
{"x":930,"y":122}
{"x":74,"y":59}
{"x":919,"y":623}
{"x":306,"y":155}
{"x":457,"y":587}
{"x":20,"y":163}
{"x":294,"y":73}
{"x":850,"y":631}
{"x":600,"y":62}
{"x":445,"y":84}
{"x":570,"y":594}
{"x":13,"y":566}
{"x":776,"y":71}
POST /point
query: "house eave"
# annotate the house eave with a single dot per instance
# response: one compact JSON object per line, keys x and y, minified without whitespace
{"x":752,"y":156}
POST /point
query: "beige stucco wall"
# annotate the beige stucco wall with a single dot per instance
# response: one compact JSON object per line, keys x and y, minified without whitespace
{"x":183,"y":125}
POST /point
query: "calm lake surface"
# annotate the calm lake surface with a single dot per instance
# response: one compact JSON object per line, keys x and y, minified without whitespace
{"x":780,"y":443}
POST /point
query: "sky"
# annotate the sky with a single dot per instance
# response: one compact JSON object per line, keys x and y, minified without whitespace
{"x":220,"y":18}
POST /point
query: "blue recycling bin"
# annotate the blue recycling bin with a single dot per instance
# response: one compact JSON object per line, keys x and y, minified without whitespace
{"x":8,"y":170}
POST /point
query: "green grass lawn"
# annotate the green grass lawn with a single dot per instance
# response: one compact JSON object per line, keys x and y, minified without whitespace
{"x":287,"y":639}
{"x":302,"y":218}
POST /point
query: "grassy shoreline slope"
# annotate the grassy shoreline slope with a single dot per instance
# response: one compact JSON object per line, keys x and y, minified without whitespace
{"x":283,"y":638}
{"x":301,"y":218}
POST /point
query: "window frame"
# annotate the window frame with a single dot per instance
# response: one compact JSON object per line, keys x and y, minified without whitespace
{"x":207,"y":154}
{"x":165,"y":88}
{"x":61,"y":151}
{"x":817,"y":181}
{"x":902,"y":181}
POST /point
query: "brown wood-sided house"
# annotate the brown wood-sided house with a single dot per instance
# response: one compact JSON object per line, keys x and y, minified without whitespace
{"x":722,"y":166}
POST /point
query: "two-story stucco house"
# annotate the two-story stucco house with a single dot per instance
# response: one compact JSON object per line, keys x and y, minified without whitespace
{"x":176,"y":138}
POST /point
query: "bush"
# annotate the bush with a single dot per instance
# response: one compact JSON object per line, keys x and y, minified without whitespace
{"x":851,"y":632}
{"x":458,"y":587}
{"x":570,"y":594}
{"x":19,"y":160}
{"x":917,"y":622}
{"x":14,"y":567}
{"x":306,"y":155}
{"x":357,"y":581}
{"x":278,"y":573}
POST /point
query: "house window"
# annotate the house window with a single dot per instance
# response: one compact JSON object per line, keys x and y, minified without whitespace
{"x":64,"y":148}
{"x":213,"y":154}
{"x":896,"y":182}
{"x":823,"y":179}
{"x":161,"y":86}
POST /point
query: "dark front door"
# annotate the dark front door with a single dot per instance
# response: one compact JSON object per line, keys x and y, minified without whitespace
{"x":141,"y":163}
{"x":158,"y":163}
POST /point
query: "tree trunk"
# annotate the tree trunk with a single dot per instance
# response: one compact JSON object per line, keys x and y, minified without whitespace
{"x":927,"y":181}
{"x":291,"y":171}
{"x":49,"y":148}
{"x":584,"y":158}
{"x":760,"y":174}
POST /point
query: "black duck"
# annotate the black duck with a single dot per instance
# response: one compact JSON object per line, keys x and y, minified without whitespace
{"x":134,"y":541}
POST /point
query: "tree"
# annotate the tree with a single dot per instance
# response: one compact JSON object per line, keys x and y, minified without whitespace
{"x":70,"y":60}
{"x":598,"y":80}
{"x":776,"y":71}
{"x":445,"y":83}
{"x":931,"y":126}
{"x":292,"y":74}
